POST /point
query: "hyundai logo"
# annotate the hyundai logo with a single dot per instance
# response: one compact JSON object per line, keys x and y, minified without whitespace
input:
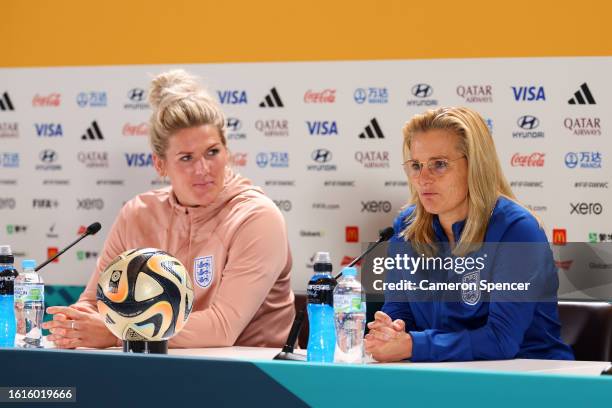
{"x":48,"y":156}
{"x":234,"y":124}
{"x":136,"y":94}
{"x":422,"y":90}
{"x":321,"y":155}
{"x":528,"y":122}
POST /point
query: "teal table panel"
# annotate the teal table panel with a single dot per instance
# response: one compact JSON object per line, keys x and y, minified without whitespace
{"x":114,"y":379}
{"x":104,"y":379}
{"x":380,"y":386}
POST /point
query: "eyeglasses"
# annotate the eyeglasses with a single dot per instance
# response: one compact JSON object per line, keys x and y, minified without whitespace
{"x":437,"y":167}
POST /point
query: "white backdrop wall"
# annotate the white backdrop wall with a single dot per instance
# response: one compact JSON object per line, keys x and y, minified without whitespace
{"x":56,"y":177}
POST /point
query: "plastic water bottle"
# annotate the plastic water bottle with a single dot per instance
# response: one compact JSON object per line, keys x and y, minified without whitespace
{"x":322,"y":334}
{"x":29,"y":306}
{"x":8,"y":273}
{"x":350,"y":318}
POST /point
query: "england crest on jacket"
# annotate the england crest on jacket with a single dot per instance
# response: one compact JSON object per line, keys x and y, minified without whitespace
{"x":203,"y":269}
{"x":471,"y":280}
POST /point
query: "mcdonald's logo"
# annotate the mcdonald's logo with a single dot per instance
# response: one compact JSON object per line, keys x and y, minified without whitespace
{"x":352,"y":234}
{"x":559,"y":236}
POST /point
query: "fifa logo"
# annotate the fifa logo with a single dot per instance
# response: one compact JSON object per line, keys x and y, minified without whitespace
{"x":113,"y":285}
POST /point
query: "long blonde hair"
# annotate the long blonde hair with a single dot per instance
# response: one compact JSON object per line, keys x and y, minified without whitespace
{"x":486,"y":181}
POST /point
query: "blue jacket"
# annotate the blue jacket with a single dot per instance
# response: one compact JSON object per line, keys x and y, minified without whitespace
{"x":455,"y":331}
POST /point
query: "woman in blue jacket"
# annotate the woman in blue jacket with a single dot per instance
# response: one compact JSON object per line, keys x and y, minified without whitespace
{"x":461,"y":197}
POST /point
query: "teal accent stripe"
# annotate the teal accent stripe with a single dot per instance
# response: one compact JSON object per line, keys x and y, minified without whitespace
{"x":60,"y":295}
{"x":376,"y":386}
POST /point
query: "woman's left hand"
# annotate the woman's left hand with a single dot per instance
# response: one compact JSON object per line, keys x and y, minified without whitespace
{"x":76,"y":326}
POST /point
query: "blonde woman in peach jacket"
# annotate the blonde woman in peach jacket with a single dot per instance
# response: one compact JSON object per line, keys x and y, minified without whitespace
{"x":209,"y":212}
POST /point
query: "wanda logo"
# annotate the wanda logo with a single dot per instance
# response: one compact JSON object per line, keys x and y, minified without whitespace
{"x":528,"y":160}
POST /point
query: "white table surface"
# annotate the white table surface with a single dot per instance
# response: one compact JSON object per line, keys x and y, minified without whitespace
{"x":516,"y":365}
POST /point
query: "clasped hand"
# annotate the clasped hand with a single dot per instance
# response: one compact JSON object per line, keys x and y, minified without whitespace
{"x":78,"y":326}
{"x":387,"y":341}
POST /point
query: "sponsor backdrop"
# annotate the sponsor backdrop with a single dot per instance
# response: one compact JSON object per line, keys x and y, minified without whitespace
{"x":323,"y":139}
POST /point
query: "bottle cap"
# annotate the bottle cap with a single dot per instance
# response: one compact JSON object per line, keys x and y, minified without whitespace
{"x":349,"y":271}
{"x":28,"y":264}
{"x":322,"y":262}
{"x":6,"y":256}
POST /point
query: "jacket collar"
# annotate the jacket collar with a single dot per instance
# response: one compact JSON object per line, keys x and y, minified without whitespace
{"x":457,"y":228}
{"x":234,"y":184}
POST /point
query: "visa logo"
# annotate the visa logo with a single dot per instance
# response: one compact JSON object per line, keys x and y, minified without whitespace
{"x":322,"y":127}
{"x":528,"y":93}
{"x":139,"y":159}
{"x":232,"y":97}
{"x":49,"y":129}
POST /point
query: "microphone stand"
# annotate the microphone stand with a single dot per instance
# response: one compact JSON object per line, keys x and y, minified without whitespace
{"x":287,"y":352}
{"x":91,"y":230}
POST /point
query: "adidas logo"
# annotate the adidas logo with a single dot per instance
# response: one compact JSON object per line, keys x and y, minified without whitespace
{"x":93,"y":132}
{"x":372,"y":131}
{"x":5,"y":102}
{"x":583,"y":96}
{"x":272,"y":100}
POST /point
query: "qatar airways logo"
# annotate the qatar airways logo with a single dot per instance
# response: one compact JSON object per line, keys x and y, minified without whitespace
{"x":583,"y":126}
{"x":324,"y":96}
{"x":528,"y":160}
{"x":476,"y":93}
{"x":140,"y":129}
{"x":273,"y":127}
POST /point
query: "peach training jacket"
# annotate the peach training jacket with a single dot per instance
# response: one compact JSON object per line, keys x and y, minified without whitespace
{"x":248,"y":299}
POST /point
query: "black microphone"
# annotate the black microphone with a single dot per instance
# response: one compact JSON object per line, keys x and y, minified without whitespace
{"x":91,"y":230}
{"x":383,"y":236}
{"x":287,"y":351}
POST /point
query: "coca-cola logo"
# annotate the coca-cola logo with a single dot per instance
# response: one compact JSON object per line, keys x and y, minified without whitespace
{"x":238,"y":159}
{"x":528,"y":160}
{"x":325,"y":96}
{"x":141,"y":129}
{"x":46,"y":100}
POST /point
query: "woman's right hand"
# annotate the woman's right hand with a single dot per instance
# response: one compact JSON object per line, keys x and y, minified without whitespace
{"x":382,"y":320}
{"x":77,"y":326}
